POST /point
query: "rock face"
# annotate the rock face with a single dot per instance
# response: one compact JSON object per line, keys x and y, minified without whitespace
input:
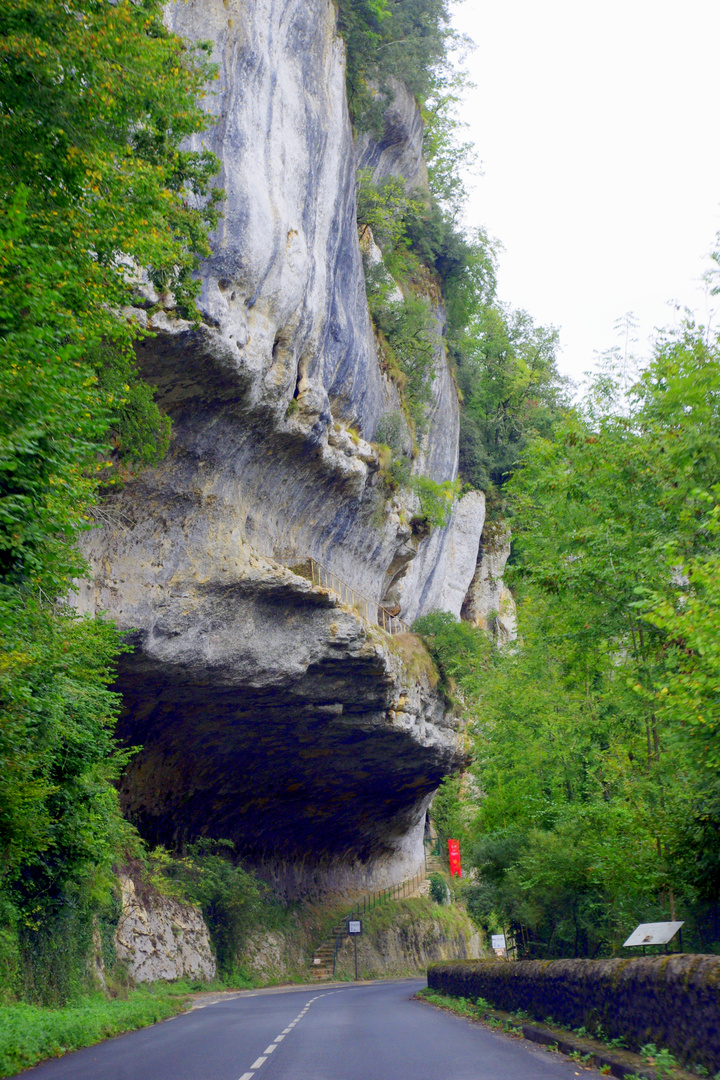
{"x":400,"y":938}
{"x":399,"y":150}
{"x":409,"y":943}
{"x":158,"y":938}
{"x":275,"y":717}
{"x":489,"y":604}
{"x":442,"y":572}
{"x":268,"y":714}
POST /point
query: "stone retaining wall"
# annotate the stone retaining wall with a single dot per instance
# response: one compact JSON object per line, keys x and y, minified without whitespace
{"x":672,"y":1001}
{"x":159,"y":938}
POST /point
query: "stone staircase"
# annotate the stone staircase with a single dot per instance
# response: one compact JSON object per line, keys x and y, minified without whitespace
{"x":323,"y":957}
{"x":433,"y":864}
{"x":322,"y":962}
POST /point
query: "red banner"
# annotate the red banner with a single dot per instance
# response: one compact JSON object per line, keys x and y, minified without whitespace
{"x":454,"y":855}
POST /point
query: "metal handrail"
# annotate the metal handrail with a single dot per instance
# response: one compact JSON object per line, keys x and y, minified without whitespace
{"x":372,"y":612}
{"x":393,"y":892}
{"x":371,"y":900}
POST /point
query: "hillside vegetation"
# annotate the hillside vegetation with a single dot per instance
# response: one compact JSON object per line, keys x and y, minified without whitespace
{"x":594,"y":798}
{"x":95,"y":101}
{"x":596,"y":795}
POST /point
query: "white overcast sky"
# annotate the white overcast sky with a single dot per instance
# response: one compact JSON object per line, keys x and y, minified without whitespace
{"x":598,"y":129}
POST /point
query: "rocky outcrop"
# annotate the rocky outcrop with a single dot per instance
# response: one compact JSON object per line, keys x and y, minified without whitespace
{"x":404,"y":938}
{"x":398,"y":151}
{"x":274,"y":716}
{"x":399,"y":938}
{"x":443,"y":570}
{"x":159,"y":938}
{"x":268,"y":713}
{"x":489,"y":603}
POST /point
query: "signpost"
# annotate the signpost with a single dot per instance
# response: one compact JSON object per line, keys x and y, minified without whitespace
{"x":498,"y":944}
{"x":354,"y":929}
{"x":654,"y":933}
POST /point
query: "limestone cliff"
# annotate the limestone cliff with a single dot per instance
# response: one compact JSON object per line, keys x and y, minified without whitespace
{"x":159,"y":938}
{"x":489,"y":603}
{"x":399,"y":938}
{"x":269,"y":713}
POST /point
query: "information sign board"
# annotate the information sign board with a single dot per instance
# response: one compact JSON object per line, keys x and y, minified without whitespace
{"x":653,"y":933}
{"x":354,"y":926}
{"x":498,"y":941}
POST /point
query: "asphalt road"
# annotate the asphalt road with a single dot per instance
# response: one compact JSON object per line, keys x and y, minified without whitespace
{"x":355,"y":1032}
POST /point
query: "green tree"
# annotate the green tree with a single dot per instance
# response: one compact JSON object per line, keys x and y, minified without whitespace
{"x":513,"y":392}
{"x":96,"y":99}
{"x":404,"y":39}
{"x":595,"y":739}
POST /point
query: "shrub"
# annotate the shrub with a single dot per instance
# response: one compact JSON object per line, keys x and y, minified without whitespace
{"x":392,"y":431}
{"x":231,"y":899}
{"x":438,"y":888}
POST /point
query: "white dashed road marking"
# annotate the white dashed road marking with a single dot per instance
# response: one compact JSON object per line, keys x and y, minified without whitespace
{"x":286,"y":1031}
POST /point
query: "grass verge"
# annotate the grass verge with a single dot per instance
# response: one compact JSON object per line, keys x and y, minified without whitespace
{"x":32,"y":1033}
{"x":400,"y":937}
{"x":608,"y":1057}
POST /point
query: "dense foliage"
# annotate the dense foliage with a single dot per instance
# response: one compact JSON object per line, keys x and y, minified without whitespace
{"x":387,"y":40}
{"x":232,"y":900}
{"x":437,"y":281}
{"x":95,"y":101}
{"x":595,"y":804}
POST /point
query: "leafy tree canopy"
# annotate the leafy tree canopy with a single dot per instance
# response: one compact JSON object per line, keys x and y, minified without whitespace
{"x":405,"y":40}
{"x":96,"y":100}
{"x":595,"y":803}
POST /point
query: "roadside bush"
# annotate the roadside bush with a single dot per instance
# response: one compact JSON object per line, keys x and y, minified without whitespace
{"x":29,"y":1033}
{"x":438,"y":888}
{"x":231,"y":899}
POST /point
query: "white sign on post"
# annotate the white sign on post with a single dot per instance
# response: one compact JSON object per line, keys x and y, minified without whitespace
{"x":354,"y":926}
{"x":498,"y":941}
{"x":653,"y":933}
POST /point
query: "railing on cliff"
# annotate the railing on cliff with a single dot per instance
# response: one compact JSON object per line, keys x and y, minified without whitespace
{"x":320,"y":576}
{"x":393,"y":892}
{"x":335,"y":934}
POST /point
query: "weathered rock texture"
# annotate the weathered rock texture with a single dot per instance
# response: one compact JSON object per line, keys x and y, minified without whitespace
{"x":489,"y":603}
{"x":399,"y":150}
{"x":442,"y":572}
{"x":399,"y":938}
{"x":269,"y":715}
{"x":274,"y":717}
{"x":672,"y":1001}
{"x":158,"y":938}
{"x":415,"y":934}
